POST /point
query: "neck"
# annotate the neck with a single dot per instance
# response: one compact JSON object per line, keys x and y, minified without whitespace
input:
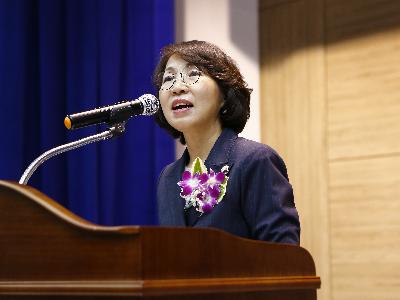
{"x":200,"y":143}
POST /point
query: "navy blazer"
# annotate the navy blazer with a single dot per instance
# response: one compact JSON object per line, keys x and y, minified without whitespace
{"x":258,"y":203}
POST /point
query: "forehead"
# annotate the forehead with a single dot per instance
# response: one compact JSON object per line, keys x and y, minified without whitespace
{"x":175,"y":62}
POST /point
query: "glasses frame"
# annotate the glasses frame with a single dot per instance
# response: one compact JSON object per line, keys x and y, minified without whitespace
{"x":182,"y":75}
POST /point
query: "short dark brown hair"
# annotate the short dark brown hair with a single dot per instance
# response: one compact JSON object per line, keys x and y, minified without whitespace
{"x":219,"y":66}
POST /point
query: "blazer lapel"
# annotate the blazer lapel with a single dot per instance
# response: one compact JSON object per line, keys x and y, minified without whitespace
{"x":219,"y":157}
{"x":176,"y":203}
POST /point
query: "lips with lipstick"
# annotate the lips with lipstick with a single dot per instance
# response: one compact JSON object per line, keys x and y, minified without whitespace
{"x":181,"y":105}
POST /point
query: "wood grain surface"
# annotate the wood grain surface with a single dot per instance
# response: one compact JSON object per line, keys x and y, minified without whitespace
{"x":330,"y":99}
{"x":48,"y":251}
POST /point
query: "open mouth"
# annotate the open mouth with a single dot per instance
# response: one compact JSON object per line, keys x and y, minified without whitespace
{"x":181,"y":105}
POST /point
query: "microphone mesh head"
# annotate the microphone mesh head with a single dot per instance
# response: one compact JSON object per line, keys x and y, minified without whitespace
{"x":150,"y":104}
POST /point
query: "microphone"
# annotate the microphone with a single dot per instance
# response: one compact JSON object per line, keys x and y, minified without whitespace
{"x":113,"y":114}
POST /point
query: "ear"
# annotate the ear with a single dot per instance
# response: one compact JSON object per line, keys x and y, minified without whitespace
{"x":222,"y":98}
{"x":221,"y":105}
{"x":222,"y":108}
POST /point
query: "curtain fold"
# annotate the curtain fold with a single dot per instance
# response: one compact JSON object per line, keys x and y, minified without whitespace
{"x":61,"y":57}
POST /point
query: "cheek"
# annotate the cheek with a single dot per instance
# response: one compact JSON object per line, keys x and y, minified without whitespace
{"x":213,"y":93}
{"x":163,"y":99}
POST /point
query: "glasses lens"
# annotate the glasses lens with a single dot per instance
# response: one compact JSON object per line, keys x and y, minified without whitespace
{"x":191,"y":74}
{"x":168,"y":81}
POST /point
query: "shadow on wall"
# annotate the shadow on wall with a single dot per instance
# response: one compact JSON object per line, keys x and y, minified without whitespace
{"x":341,"y":21}
{"x":243,"y":25}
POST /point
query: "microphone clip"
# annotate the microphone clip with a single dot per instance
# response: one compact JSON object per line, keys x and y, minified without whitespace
{"x":117,"y":129}
{"x":118,"y":118}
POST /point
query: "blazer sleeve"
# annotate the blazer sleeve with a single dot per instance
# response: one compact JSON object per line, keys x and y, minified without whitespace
{"x":267,"y":198}
{"x":161,"y":205}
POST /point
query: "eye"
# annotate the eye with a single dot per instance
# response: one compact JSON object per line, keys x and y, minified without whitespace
{"x":194,"y":73}
{"x":168,"y":78}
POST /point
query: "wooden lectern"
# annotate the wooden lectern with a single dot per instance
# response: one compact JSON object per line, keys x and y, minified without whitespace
{"x":46,"y":252}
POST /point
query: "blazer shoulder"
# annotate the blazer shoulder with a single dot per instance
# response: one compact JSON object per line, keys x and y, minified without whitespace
{"x":169,"y":169}
{"x":245,"y":148}
{"x":250,"y":152}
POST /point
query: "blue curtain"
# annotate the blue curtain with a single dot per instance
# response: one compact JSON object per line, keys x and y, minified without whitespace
{"x":59,"y":57}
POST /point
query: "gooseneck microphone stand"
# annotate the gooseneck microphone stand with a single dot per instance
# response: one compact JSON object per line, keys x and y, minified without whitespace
{"x":113,"y":131}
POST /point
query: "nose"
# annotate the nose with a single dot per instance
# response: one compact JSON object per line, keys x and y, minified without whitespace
{"x":179,"y":87}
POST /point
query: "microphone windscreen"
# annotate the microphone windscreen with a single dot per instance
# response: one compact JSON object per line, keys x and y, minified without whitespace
{"x":150,"y":104}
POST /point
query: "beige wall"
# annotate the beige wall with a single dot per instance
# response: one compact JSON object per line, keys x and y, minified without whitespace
{"x":330,"y":103}
{"x":232,"y":25}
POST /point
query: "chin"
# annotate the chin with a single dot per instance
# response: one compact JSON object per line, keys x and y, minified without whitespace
{"x":184,"y":126}
{"x":181,"y":124}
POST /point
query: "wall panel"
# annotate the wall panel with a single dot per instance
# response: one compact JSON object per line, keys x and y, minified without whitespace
{"x":330,"y":104}
{"x":365,"y":228}
{"x":293,"y":115}
{"x":364,"y":99}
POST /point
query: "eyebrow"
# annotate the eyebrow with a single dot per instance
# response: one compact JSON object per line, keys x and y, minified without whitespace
{"x":174,"y":69}
{"x":170,"y":69}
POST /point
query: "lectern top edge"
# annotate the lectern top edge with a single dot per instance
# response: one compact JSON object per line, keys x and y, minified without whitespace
{"x":60,"y":211}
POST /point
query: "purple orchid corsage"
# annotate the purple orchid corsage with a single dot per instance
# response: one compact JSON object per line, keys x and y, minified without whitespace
{"x":201,"y":189}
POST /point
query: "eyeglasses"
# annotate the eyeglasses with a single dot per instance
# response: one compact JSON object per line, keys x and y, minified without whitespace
{"x":189,"y":75}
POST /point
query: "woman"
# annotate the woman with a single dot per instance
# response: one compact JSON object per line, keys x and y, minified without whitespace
{"x":242,"y":187}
